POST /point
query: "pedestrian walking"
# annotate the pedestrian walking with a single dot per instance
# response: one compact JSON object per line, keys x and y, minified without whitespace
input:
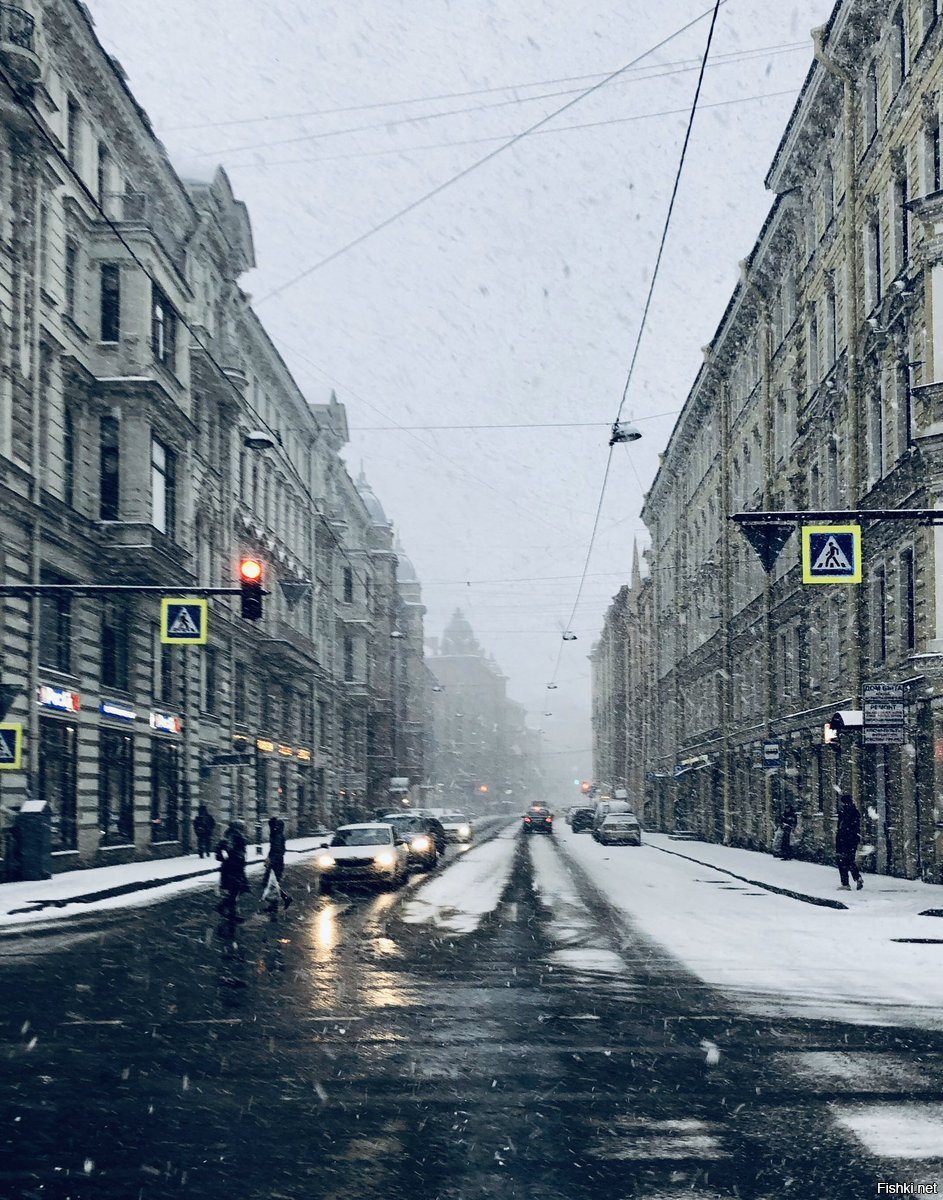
{"x":847,"y":837}
{"x":787,"y":823}
{"x":275,"y":864}
{"x":203,"y":826}
{"x":231,"y":853}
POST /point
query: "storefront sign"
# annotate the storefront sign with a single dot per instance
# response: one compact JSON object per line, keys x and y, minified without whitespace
{"x":883,"y":714}
{"x":117,"y":712}
{"x":399,"y":783}
{"x":59,"y":699}
{"x":166,"y":723}
{"x":303,"y":755}
{"x":266,"y":746}
{"x":285,"y":751}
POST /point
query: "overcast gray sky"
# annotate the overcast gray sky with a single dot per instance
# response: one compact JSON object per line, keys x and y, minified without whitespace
{"x":513,"y":297}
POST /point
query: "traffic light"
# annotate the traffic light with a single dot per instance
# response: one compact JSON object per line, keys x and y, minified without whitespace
{"x":585,"y":786}
{"x":250,"y":582}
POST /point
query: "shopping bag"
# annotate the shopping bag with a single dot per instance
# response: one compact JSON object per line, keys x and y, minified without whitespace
{"x":778,"y":841}
{"x":271,"y":891}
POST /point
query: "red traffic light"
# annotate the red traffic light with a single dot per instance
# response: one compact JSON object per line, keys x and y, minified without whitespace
{"x":251,"y":593}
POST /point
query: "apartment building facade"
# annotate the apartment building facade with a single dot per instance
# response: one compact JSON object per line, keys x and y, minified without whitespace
{"x":819,"y":392}
{"x":151,"y":436}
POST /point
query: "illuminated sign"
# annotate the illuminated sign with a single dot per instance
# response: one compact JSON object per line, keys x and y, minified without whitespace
{"x":265,"y":746}
{"x":59,"y":698}
{"x":166,"y":723}
{"x":117,"y":712}
{"x":286,"y":751}
{"x":303,"y":755}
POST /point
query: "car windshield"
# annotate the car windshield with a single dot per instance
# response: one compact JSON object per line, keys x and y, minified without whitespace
{"x":369,"y":835}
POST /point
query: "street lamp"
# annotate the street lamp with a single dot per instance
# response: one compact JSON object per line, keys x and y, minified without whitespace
{"x":259,"y":439}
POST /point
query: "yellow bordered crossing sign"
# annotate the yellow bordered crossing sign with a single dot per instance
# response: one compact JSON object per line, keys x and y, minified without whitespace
{"x":831,"y":553}
{"x":183,"y":621}
{"x":11,"y":746}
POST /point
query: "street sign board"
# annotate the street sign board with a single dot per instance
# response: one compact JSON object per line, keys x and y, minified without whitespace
{"x":882,"y":706}
{"x":11,"y":746}
{"x":771,"y":754}
{"x":831,"y":553}
{"x":183,"y":622}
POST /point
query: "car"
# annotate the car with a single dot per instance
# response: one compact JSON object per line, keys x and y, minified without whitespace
{"x":457,"y":827}
{"x":604,"y":808}
{"x":581,"y":820}
{"x":619,"y":829}
{"x":430,"y":824}
{"x":368,"y":853}
{"x":538,"y":820}
{"x":421,"y":839}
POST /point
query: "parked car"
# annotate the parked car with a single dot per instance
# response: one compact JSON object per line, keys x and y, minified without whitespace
{"x":538,"y":820}
{"x":619,"y":829}
{"x":457,"y":827}
{"x":604,"y":808}
{"x":371,"y":853}
{"x":581,"y":820}
{"x":420,"y":838}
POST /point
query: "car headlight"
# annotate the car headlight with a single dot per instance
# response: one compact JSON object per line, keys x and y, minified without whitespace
{"x":386,"y":859}
{"x":421,"y":843}
{"x":324,"y":862}
{"x":464,"y":831}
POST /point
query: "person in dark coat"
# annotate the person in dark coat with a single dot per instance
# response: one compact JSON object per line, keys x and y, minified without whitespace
{"x":275,"y":863}
{"x":231,"y":853}
{"x":847,"y":837}
{"x":203,"y":826}
{"x":787,"y":823}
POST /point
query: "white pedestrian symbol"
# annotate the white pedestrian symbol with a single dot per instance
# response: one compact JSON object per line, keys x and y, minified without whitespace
{"x":831,"y":557}
{"x":183,"y":625}
{"x":6,"y":750}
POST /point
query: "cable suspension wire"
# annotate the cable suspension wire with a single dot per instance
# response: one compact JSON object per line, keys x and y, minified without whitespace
{"x":734,"y":56}
{"x":453,"y":179}
{"x":645,"y":312}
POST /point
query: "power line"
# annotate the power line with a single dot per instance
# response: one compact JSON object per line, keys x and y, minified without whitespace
{"x":645,"y":311}
{"x":733,"y":56}
{"x":478,"y":163}
{"x":434,"y":116}
{"x":673,"y":412}
{"x":315,"y":160}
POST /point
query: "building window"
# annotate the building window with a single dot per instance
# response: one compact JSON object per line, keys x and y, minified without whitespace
{"x":348,"y":658}
{"x":115,"y":645}
{"x":873,"y":264}
{"x":901,"y":224}
{"x":898,"y":49}
{"x":73,"y":135}
{"x":55,"y":626}
{"x":102,"y":177}
{"x":68,"y":458}
{"x":876,"y":432}
{"x":348,"y":586}
{"x":163,"y":488}
{"x":163,"y":329}
{"x":934,"y":177}
{"x":241,"y":694}
{"x":814,"y":366}
{"x":210,"y":678}
{"x":931,"y":10}
{"x":108,"y":473}
{"x":116,"y":788}
{"x":58,"y":779}
{"x":71,"y":272}
{"x":870,"y":104}
{"x":879,"y":617}
{"x":169,"y":673}
{"x":110,"y":323}
{"x":831,"y":325}
{"x":165,"y":773}
{"x":908,"y":600}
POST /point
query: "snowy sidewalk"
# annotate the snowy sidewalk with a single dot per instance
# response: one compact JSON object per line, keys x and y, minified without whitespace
{"x":71,"y":893}
{"x":814,"y":883}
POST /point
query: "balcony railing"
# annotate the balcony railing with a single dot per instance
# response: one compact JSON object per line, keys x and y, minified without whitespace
{"x":17,"y":43}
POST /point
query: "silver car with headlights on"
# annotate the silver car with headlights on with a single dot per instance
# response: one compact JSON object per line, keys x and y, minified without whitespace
{"x":371,"y":853}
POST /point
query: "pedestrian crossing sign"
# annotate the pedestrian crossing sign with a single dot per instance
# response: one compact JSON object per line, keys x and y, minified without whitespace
{"x":831,"y":554}
{"x":183,"y":622}
{"x":11,"y":746}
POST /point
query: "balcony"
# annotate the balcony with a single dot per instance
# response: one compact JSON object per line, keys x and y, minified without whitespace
{"x":17,"y":44}
{"x":137,"y":552}
{"x":138,"y":209}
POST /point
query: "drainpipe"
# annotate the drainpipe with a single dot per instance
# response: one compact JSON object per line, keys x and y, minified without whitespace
{"x":35,"y":493}
{"x":726,"y":714}
{"x":853,"y":321}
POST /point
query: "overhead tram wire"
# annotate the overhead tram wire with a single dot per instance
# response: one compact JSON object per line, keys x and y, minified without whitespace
{"x":645,"y":312}
{"x":735,"y":56}
{"x":513,"y":141}
{"x":132,"y":253}
{"x":673,"y":412}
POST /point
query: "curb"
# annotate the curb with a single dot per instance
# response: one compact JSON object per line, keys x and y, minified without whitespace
{"x":769,"y":887}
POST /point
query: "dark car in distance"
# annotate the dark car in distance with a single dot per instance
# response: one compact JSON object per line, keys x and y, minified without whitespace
{"x":538,"y":819}
{"x":581,"y":820}
{"x":421,"y":838}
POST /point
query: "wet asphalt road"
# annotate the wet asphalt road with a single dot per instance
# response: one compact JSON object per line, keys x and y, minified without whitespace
{"x":342,"y":1054}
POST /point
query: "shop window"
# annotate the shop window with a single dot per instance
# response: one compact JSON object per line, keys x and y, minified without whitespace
{"x":58,"y":779}
{"x":165,"y":781}
{"x":116,"y":788}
